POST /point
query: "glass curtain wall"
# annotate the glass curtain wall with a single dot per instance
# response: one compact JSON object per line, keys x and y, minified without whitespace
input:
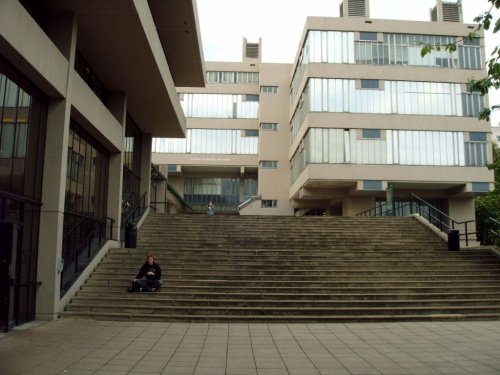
{"x":392,"y":97}
{"x":210,"y":141}
{"x":250,"y":184}
{"x":233,"y":77}
{"x":220,"y":105}
{"x":336,"y":47}
{"x":23,"y":124}
{"x":223,"y":192}
{"x":131,"y":166}
{"x":393,"y":147}
{"x":85,"y":205}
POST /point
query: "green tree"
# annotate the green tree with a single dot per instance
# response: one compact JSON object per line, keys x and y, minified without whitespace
{"x":488,"y":206}
{"x":492,"y":80}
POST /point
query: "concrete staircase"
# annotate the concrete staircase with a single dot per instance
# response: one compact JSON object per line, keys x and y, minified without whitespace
{"x":287,"y":269}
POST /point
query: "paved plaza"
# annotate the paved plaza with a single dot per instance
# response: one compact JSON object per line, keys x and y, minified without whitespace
{"x":84,"y":347}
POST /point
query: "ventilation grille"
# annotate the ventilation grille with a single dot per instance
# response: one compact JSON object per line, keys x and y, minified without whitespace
{"x":252,"y":50}
{"x":356,"y":8}
{"x":451,"y":13}
{"x":434,"y":14}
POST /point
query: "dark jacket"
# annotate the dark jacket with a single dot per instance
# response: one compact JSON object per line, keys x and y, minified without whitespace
{"x":143,"y":272}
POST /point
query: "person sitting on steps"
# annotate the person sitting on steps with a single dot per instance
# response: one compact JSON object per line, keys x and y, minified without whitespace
{"x":148,"y":278}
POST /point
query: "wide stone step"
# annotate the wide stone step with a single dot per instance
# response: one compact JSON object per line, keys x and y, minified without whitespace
{"x":289,"y":274}
{"x":288,"y":269}
{"x":135,"y":308}
{"x":278,"y":318}
{"x":314,"y":276}
{"x":230,"y":284}
{"x":367,"y":296}
{"x":161,"y":300}
{"x":369,"y":288}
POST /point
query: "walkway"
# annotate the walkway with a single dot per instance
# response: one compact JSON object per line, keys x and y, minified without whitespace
{"x":70,"y":346}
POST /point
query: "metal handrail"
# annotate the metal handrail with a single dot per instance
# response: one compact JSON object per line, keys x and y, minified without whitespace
{"x":484,"y":231}
{"x":88,"y":219}
{"x":248,"y":201}
{"x":77,"y":245}
{"x":433,"y":214}
{"x":20,"y":198}
{"x":181,"y":200}
{"x":135,"y":207}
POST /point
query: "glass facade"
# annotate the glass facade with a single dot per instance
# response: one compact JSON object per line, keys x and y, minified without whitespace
{"x":335,"y":47}
{"x":211,"y":141}
{"x":86,"y":175}
{"x":23,"y":124}
{"x":131,"y":166}
{"x":85,"y":207}
{"x":220,"y":105}
{"x":233,"y":77}
{"x":223,"y":192}
{"x":394,"y":147}
{"x":393,"y":97}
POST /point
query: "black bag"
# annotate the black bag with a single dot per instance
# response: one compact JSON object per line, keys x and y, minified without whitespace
{"x":135,"y":286}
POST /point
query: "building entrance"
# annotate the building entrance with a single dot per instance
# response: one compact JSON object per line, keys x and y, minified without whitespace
{"x":9,"y":238}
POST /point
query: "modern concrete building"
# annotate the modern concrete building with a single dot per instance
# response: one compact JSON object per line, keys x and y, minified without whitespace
{"x":358,"y":111}
{"x":84,"y":86}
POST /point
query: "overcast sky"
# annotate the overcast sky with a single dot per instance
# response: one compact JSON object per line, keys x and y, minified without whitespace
{"x":224,"y":24}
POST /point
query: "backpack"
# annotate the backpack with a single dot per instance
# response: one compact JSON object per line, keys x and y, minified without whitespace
{"x":134,"y":287}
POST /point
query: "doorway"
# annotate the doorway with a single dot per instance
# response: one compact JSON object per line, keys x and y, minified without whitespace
{"x":9,"y":235}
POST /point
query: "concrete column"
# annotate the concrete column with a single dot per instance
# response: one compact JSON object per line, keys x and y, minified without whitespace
{"x":354,"y":205}
{"x":117,"y":104}
{"x":462,"y":209}
{"x":54,"y":179}
{"x":147,"y":142}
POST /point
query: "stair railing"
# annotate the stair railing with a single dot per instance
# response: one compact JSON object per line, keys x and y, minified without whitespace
{"x":133,"y":214}
{"x":489,"y":231}
{"x":249,"y":201}
{"x":179,"y":198}
{"x":433,"y":215}
{"x":81,"y":244}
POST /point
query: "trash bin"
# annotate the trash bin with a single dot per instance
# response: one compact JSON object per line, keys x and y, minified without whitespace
{"x":454,"y":240}
{"x":131,"y":235}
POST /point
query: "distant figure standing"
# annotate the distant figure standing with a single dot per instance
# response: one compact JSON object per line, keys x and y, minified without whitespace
{"x":210,"y":208}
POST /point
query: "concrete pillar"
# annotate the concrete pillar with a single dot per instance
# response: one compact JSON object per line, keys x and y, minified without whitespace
{"x":462,"y":209}
{"x":54,"y":179}
{"x":146,"y":147}
{"x":117,"y":104}
{"x":354,"y":205}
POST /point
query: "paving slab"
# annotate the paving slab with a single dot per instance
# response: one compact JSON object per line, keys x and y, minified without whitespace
{"x":89,"y":347}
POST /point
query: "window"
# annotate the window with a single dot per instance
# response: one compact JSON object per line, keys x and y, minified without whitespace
{"x":172,"y":167}
{"x":368,"y":36}
{"x":473,"y":42}
{"x":498,"y":137}
{"x":232,"y":77}
{"x":251,"y":133}
{"x":251,"y":98}
{"x":371,"y":133}
{"x":271,"y":126}
{"x":370,"y":84}
{"x":480,"y":187}
{"x":372,"y":185}
{"x":269,"y":89}
{"x":477,"y":137}
{"x":269,"y":203}
{"x":268,"y":164}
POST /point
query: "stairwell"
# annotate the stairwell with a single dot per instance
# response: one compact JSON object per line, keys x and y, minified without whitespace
{"x":288,"y":269}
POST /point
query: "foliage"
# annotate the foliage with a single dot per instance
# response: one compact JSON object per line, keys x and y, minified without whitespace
{"x":492,"y":80}
{"x":488,"y":206}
